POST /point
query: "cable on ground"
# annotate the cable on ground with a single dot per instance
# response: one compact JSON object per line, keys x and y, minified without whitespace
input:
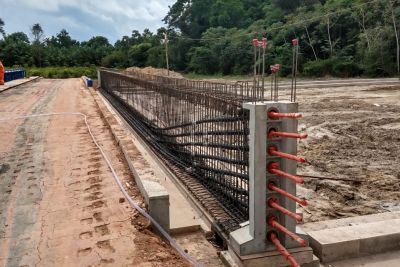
{"x":118,"y":181}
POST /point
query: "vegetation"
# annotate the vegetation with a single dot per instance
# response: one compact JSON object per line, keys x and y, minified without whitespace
{"x":341,"y":38}
{"x":62,"y":72}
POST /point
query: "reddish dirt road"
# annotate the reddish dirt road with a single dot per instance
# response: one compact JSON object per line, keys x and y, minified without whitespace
{"x":59,"y":204}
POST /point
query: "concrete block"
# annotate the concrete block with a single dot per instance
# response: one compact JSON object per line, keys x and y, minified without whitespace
{"x":157,"y":200}
{"x":303,"y":256}
{"x":355,"y":240}
{"x":155,"y":195}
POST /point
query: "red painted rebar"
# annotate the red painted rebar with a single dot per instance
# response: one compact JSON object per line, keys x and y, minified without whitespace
{"x":273,"y":134}
{"x":273,"y":223}
{"x":273,"y":187}
{"x":274,"y":169}
{"x":273,"y":151}
{"x":273,"y":203}
{"x":277,"y":115}
{"x":274,"y":239}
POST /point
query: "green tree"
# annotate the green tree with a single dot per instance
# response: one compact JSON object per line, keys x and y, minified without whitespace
{"x":15,"y":50}
{"x":2,"y":28}
{"x":37,"y":47}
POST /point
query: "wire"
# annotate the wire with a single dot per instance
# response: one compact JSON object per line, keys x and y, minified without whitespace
{"x":118,"y":181}
{"x":331,"y":178}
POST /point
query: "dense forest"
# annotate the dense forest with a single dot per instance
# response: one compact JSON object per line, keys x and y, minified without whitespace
{"x":337,"y":37}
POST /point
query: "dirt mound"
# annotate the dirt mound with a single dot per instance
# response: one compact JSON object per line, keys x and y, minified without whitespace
{"x":155,"y":71}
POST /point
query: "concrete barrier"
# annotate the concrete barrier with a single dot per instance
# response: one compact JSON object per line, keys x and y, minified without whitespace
{"x":155,"y":195}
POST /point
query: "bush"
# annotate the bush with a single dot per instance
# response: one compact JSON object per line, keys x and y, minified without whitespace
{"x":63,"y":72}
{"x":337,"y":67}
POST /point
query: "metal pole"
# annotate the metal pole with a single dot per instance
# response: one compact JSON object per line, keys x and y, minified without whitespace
{"x":166,"y":51}
{"x":263,"y":68}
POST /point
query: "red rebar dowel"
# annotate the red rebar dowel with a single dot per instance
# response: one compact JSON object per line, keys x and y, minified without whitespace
{"x":273,"y":203}
{"x":273,"y":134}
{"x":273,"y":151}
{"x":276,"y":115}
{"x":274,"y":239}
{"x":273,"y":187}
{"x":274,"y":169}
{"x":273,"y":223}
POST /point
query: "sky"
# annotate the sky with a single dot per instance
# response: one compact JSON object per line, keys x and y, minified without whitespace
{"x":84,"y":19}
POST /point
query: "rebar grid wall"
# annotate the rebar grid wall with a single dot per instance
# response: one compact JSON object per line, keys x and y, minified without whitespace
{"x":198,"y":126}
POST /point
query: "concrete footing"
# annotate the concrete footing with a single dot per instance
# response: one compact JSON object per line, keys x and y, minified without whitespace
{"x":303,"y":256}
{"x":155,"y":195}
{"x":354,"y":237}
{"x":164,"y":201}
{"x":16,"y":83}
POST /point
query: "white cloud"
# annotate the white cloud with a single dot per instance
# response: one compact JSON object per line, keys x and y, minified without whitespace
{"x":110,"y":18}
{"x":147,"y":10}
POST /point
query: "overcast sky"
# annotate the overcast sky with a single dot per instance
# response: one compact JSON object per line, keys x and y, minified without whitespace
{"x":84,"y":18}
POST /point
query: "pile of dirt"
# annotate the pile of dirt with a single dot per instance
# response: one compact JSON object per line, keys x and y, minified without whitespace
{"x":155,"y":71}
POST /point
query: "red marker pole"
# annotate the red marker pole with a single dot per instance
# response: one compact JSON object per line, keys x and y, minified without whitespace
{"x":276,"y":115}
{"x":273,"y":187}
{"x":274,"y":169}
{"x":282,"y":250}
{"x":273,"y":151}
{"x":273,"y":223}
{"x":273,"y":203}
{"x":273,"y":134}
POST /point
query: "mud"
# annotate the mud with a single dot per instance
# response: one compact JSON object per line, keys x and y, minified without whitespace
{"x":59,"y":204}
{"x":354,"y":133}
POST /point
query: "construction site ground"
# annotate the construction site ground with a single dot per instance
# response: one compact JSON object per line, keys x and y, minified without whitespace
{"x":59,"y":204}
{"x":354,"y":133}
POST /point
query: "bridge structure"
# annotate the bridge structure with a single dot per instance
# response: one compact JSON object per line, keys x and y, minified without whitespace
{"x":233,"y":149}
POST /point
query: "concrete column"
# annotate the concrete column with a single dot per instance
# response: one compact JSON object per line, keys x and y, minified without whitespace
{"x":98,"y":78}
{"x":251,"y":238}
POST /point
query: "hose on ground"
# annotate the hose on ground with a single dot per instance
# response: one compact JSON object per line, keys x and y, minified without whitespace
{"x":118,"y":181}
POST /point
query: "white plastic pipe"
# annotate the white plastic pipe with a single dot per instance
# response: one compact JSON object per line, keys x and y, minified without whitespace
{"x":118,"y":181}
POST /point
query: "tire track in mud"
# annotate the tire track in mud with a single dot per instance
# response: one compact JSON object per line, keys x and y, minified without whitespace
{"x":20,"y":183}
{"x":64,"y":208}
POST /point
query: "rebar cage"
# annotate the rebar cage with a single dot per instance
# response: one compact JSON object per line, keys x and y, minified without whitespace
{"x":198,"y":126}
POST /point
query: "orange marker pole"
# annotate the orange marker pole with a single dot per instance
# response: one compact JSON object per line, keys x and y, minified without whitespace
{"x":283,"y":251}
{"x":273,"y":151}
{"x":272,"y":221}
{"x":276,"y":115}
{"x":273,"y":134}
{"x":273,"y":203}
{"x":273,"y":187}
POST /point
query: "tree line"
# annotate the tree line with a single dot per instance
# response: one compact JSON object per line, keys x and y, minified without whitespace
{"x":337,"y":37}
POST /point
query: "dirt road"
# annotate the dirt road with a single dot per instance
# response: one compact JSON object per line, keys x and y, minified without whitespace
{"x":59,"y":204}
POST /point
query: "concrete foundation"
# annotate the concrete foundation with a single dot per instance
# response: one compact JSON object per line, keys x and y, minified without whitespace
{"x":355,"y":237}
{"x":164,"y":201}
{"x":249,"y":245}
{"x":303,"y":256}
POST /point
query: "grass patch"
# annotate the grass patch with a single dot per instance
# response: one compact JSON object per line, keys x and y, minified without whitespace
{"x":63,"y":72}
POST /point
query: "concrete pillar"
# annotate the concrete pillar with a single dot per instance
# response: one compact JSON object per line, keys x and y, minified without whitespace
{"x":98,"y":78}
{"x":252,"y":238}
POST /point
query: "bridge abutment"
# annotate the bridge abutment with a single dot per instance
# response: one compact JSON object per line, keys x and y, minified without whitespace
{"x":254,"y":243}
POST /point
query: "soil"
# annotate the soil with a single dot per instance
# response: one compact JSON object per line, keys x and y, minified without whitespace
{"x":59,"y":204}
{"x":155,"y":71}
{"x":354,"y":133}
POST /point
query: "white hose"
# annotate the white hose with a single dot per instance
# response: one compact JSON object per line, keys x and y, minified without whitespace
{"x":118,"y":181}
